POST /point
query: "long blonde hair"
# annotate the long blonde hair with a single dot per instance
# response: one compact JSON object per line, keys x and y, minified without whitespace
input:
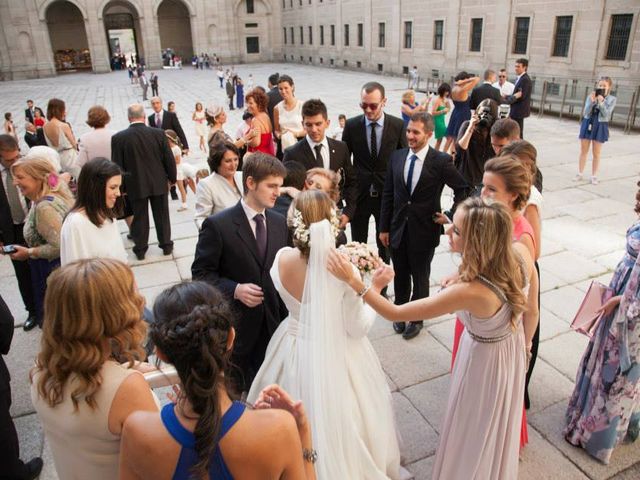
{"x":41,"y":169}
{"x":92,"y":312}
{"x":487,"y":250}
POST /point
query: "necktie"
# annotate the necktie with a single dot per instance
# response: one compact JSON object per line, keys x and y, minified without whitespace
{"x":261,"y":235}
{"x":158,"y":121}
{"x":319,"y":160}
{"x":374,"y":142}
{"x":413,"y":159}
{"x":17,"y":213}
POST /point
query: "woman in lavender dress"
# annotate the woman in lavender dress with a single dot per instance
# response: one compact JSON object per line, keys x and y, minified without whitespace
{"x":604,"y":409}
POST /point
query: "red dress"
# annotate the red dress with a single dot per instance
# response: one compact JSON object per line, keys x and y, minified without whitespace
{"x":38,"y":122}
{"x":521,"y":226}
{"x":266,"y":145}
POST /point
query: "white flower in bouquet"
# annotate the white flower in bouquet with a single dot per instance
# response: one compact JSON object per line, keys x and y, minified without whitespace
{"x":363,"y":256}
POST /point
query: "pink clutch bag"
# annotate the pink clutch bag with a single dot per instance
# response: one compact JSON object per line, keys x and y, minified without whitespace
{"x":587,"y":318}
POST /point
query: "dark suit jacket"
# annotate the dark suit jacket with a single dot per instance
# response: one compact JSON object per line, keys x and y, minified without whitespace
{"x":482,"y":92}
{"x":144,"y":155}
{"x":35,"y":139}
{"x":415,"y":210}
{"x":6,"y":335}
{"x":227,"y":254}
{"x":521,"y":107}
{"x":7,"y":235}
{"x":274,"y":99}
{"x":339,"y":161}
{"x":170,"y":122}
{"x":355,"y":136}
{"x":28,"y":115}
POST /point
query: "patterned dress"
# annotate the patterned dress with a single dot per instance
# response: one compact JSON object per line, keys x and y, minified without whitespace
{"x":605,"y":406}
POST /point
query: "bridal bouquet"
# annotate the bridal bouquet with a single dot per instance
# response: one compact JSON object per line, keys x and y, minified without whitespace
{"x":364,"y":257}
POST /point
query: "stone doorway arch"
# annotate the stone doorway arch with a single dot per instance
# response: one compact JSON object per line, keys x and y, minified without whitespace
{"x":174,"y":27}
{"x":68,"y":36}
{"x":124,"y":34}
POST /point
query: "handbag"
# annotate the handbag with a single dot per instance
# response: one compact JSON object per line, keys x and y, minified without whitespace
{"x":588,"y":316}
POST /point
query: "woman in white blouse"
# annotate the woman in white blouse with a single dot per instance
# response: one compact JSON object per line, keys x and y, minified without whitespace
{"x":287,"y":115}
{"x":223,"y":188}
{"x":90,"y":230}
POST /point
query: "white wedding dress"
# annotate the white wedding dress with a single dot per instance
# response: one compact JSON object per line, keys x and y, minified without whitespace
{"x":321,"y":354}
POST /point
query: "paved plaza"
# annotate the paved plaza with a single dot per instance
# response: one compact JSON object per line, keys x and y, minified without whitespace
{"x":583,"y":234}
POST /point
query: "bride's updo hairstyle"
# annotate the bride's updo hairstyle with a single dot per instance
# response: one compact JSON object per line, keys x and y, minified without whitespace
{"x":313,"y":206}
{"x":191,"y":331}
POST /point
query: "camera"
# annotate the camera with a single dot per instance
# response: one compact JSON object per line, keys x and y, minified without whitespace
{"x":8,"y":249}
{"x":503,"y":111}
{"x":599,"y":91}
{"x":486,"y":119}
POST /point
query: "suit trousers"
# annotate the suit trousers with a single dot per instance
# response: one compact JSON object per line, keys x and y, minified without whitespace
{"x":245,"y":367}
{"x":520,"y":122}
{"x":154,"y":90}
{"x":140,"y":224}
{"x":12,"y":467}
{"x":535,"y":342}
{"x":412,"y":264}
{"x":366,"y":207}
{"x":23,"y":273}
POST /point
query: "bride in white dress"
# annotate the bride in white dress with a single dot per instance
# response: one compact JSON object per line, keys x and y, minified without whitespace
{"x":321,"y":354}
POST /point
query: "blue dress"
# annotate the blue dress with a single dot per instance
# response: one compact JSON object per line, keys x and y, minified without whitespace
{"x":239,"y":95}
{"x":188,"y":457}
{"x":405,"y":117}
{"x":593,"y":129}
{"x":604,"y":409}
{"x":461,"y":113}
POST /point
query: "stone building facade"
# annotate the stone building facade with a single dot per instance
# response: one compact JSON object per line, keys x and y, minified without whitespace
{"x":575,"y":39}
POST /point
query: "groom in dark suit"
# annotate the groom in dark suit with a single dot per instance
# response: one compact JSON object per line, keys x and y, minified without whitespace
{"x":411,"y":199}
{"x":521,"y":99}
{"x":235,"y":252}
{"x":318,"y":150}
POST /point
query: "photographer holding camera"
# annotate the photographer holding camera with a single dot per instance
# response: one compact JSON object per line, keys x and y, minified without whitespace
{"x":594,"y":129}
{"x":474,"y":143}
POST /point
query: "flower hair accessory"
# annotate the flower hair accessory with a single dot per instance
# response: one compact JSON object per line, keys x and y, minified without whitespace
{"x":301,"y":231}
{"x":52,"y":180}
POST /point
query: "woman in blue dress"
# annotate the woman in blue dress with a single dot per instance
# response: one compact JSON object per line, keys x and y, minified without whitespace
{"x":239,"y":93}
{"x":594,"y":129}
{"x":464,"y":83}
{"x":205,"y":434}
{"x":604,"y":409}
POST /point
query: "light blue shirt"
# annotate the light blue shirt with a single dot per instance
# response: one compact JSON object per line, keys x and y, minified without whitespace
{"x":379,"y":130}
{"x":417,"y":168}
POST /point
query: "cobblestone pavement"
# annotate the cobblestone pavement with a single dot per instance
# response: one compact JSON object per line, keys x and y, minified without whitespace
{"x":583,"y":238}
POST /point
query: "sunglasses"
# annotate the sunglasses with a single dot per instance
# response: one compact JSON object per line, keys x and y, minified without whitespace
{"x":502,"y":76}
{"x":369,"y":106}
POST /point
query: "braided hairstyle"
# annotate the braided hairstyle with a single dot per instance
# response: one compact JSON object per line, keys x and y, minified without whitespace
{"x":192,"y":327}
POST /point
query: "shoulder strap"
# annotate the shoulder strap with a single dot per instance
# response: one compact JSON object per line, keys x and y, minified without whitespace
{"x":180,"y":434}
{"x":230,"y":417}
{"x":493,"y":287}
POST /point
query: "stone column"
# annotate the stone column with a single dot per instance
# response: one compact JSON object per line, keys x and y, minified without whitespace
{"x":97,"y":40}
{"x":151,"y":37}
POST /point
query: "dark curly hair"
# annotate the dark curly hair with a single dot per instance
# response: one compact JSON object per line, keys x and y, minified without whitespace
{"x":261,"y":99}
{"x":192,"y":325}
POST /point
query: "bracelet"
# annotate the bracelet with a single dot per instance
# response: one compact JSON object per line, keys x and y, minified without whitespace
{"x":364,"y":291}
{"x":30,"y":252}
{"x":310,"y":455}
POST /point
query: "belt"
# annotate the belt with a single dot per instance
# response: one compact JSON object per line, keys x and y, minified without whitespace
{"x":480,"y":339}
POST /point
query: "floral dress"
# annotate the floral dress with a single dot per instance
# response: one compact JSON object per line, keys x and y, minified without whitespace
{"x":605,"y":406}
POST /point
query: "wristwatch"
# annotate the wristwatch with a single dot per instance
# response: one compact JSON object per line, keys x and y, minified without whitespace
{"x":309,"y":455}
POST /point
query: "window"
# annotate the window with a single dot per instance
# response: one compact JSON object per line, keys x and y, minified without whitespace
{"x":475,"y":42}
{"x":360,"y":34}
{"x":408,"y":34}
{"x":250,"y":7}
{"x":359,"y":64}
{"x":293,"y":39}
{"x":619,"y":36}
{"x":321,"y":35}
{"x":310,"y":35}
{"x":321,"y":60}
{"x":284,"y":31}
{"x":562,"y":36}
{"x":381,"y":34}
{"x":405,"y":70}
{"x":438,"y":33}
{"x":250,"y":25}
{"x":345,"y":63}
{"x":301,"y":35}
{"x":253,"y":45}
{"x":331,"y":62}
{"x":283,"y":7}
{"x":333,"y":34}
{"x":521,"y":35}
{"x":346,"y":34}
{"x":380,"y":67}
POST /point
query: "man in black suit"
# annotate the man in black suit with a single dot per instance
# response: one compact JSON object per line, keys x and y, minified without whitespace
{"x":154,"y":84}
{"x":33,"y":136}
{"x":371,"y":139}
{"x":29,"y":112}
{"x":235,"y":252}
{"x":411,"y":199}
{"x":485,"y":90}
{"x":12,"y":466}
{"x":167,"y":120}
{"x":144,"y":155}
{"x":318,"y":150}
{"x":520,"y":101}
{"x":13,"y":212}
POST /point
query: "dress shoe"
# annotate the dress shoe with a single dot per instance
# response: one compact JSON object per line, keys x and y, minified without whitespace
{"x":30,"y":323}
{"x":34,"y":467}
{"x":167,"y":250}
{"x":412,"y":330}
{"x":140,"y":255}
{"x":399,"y":327}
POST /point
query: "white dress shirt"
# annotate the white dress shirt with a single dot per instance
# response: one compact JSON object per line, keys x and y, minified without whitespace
{"x":417,"y":168}
{"x":506,"y":88}
{"x":250,"y":213}
{"x":324,"y":152}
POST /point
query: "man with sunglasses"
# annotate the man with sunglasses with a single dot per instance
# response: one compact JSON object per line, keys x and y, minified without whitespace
{"x":371,"y":139}
{"x":505,"y":86}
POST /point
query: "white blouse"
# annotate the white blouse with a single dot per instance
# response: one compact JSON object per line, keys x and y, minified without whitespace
{"x":79,"y":238}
